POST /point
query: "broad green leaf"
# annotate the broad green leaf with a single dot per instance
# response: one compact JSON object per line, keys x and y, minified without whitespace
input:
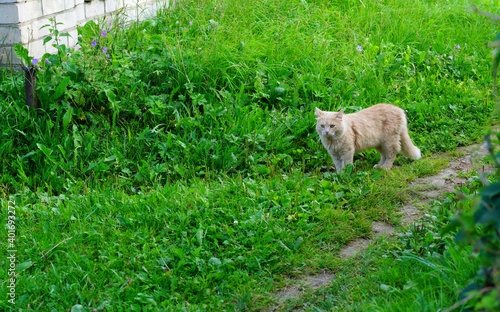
{"x":21,"y":52}
{"x":77,"y":308}
{"x":61,"y":88}
{"x":491,"y":190}
{"x":77,"y":138}
{"x":47,"y":151}
{"x":23,"y":266}
{"x":111,"y":96}
{"x":67,"y":118}
{"x":487,"y":216}
{"x":199,"y":236}
{"x":214,"y":261}
{"x":110,"y":158}
{"x":88,"y":30}
{"x":47,"y":40}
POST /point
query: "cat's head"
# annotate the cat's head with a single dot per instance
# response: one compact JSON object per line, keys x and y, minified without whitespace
{"x":329,"y":123}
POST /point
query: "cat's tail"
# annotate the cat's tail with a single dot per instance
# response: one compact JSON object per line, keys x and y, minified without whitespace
{"x":407,"y":147}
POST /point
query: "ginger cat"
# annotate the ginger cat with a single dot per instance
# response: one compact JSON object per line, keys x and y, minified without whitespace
{"x":382,"y":126}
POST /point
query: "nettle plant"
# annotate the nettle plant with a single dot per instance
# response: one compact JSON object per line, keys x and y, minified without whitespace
{"x":54,"y":73}
{"x":72,"y":82}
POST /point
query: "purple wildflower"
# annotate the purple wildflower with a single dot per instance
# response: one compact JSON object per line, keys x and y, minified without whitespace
{"x":191,"y":23}
{"x":47,"y":61}
{"x":451,"y":57}
{"x":359,"y":48}
{"x":103,"y":33}
{"x":108,"y":55}
{"x":122,"y":25}
{"x":34,"y":61}
{"x":105,"y":49}
{"x":94,"y":43}
{"x":457,"y":46}
{"x":262,"y":73}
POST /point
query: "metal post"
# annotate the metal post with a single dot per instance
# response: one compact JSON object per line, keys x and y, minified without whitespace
{"x":30,"y":86}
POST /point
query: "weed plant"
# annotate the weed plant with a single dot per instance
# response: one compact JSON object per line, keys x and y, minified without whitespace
{"x":174,"y":164}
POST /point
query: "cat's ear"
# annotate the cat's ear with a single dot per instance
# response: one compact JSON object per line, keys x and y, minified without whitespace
{"x":340,"y":114}
{"x":318,"y":113}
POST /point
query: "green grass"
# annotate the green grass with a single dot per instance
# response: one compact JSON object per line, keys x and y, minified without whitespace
{"x":422,"y":270}
{"x":184,"y":173}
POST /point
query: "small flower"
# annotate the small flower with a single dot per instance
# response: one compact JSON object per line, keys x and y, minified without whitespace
{"x":191,"y":23}
{"x":105,"y":49}
{"x":451,"y":57}
{"x":103,"y":33}
{"x":94,"y":43}
{"x":34,"y":61}
{"x":457,"y":46}
{"x":108,"y":55}
{"x":262,"y":73}
{"x":47,"y":61}
{"x":235,"y":222}
{"x":122,"y":25}
{"x":359,"y":48}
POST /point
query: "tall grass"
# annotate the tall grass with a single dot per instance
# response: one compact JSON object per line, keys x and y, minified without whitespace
{"x":183,"y":171}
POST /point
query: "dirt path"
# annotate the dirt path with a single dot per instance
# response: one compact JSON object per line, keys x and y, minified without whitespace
{"x":426,"y":189}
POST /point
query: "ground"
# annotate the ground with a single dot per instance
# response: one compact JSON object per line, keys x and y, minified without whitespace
{"x":424,"y":190}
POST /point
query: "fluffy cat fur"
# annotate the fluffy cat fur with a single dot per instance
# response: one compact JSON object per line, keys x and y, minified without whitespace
{"x":382,"y":126}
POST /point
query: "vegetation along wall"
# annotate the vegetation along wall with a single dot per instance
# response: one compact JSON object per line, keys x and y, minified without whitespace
{"x":21,"y":21}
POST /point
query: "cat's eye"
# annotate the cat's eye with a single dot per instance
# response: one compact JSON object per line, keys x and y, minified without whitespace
{"x":332,"y":126}
{"x":322,"y":126}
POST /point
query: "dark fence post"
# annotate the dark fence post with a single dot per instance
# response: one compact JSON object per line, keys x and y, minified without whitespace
{"x":30,"y":86}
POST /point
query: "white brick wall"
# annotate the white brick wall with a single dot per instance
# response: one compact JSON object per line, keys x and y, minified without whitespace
{"x":29,"y":10}
{"x":69,"y":4}
{"x":113,"y":5}
{"x":94,"y":8}
{"x":9,"y":35}
{"x":50,"y":7}
{"x":9,"y":13}
{"x":20,"y":21}
{"x":80,"y":13}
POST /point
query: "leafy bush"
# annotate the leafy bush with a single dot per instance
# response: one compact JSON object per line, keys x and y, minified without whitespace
{"x":480,"y":227}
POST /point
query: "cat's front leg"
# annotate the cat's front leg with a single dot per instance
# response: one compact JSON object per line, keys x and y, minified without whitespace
{"x":347,"y":159}
{"x":339,"y":162}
